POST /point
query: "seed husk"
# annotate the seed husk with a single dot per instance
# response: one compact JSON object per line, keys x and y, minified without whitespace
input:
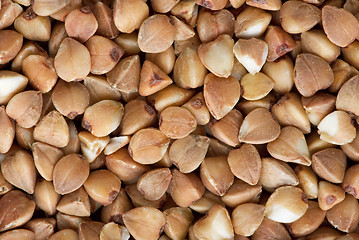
{"x":64,"y":221}
{"x":337,"y":128}
{"x":121,"y":164}
{"x":241,"y":192}
{"x":114,"y":211}
{"x":341,"y":27}
{"x":298,"y":16}
{"x":29,"y":48}
{"x":346,"y":99}
{"x":217,"y":56}
{"x":238,"y":70}
{"x":189,"y":72}
{"x":246,"y":106}
{"x":128,"y":41}
{"x":350,"y":52}
{"x":189,"y":152}
{"x":72,"y":61}
{"x":41,"y":72}
{"x":325,"y":232}
{"x":5,"y":186}
{"x":18,"y":234}
{"x":237,"y":4}
{"x":212,"y":24}
{"x":177,"y":122}
{"x":125,"y":76}
{"x":212,"y":4}
{"x":45,"y":197}
{"x":48,"y":7}
{"x":104,"y":17}
{"x":351,"y":180}
{"x":70,"y":98}
{"x":259,"y":127}
{"x":252,"y":22}
{"x":138,"y":200}
{"x":99,"y":89}
{"x":198,"y":109}
{"x":32,"y":26}
{"x":114,"y":231}
{"x":19,"y":170}
{"x":217,"y":148}
{"x":105,"y":54}
{"x":90,"y":229}
{"x":137,"y":115}
{"x":103,"y":117}
{"x":52,"y":129}
{"x":245,"y":163}
{"x":227,"y":128}
{"x":329,"y":195}
{"x":73,"y":145}
{"x":63,"y":234}
{"x":148,"y":146}
{"x":128,"y":15}
{"x":103,"y":186}
{"x":10,"y":45}
{"x":330,"y":164}
{"x":43,"y":228}
{"x":58,"y":33}
{"x":309,"y":222}
{"x":193,"y":43}
{"x":351,"y":149}
{"x":289,"y":111}
{"x":185,"y":189}
{"x":316,"y":144}
{"x":76,"y":169}
{"x":308,"y":180}
{"x":205,"y":203}
{"x":76,"y":203}
{"x":24,"y":137}
{"x":63,"y":12}
{"x":9,"y":11}
{"x":217,"y":216}
{"x":11,"y":83}
{"x":270,"y":229}
{"x":290,"y":146}
{"x":215,"y":86}
{"x":45,"y":158}
{"x":170,"y":96}
{"x":81,"y":24}
{"x":15,"y":210}
{"x":246,"y":218}
{"x":273,"y":5}
{"x":178,"y":221}
{"x":144,"y":223}
{"x":158,"y":25}
{"x":251,"y":53}
{"x":152,"y":79}
{"x":256,"y":86}
{"x":308,"y":79}
{"x":7,"y":131}
{"x":275,"y":173}
{"x":286,"y":204}
{"x":154,"y":183}
{"x":279,"y":42}
{"x":183,"y":30}
{"x":318,"y":106}
{"x":345,"y":215}
{"x":342,"y":73}
{"x":316,"y":42}
{"x":216,"y":175}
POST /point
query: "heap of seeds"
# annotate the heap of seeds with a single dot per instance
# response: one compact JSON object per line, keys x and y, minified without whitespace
{"x":179,"y":119}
